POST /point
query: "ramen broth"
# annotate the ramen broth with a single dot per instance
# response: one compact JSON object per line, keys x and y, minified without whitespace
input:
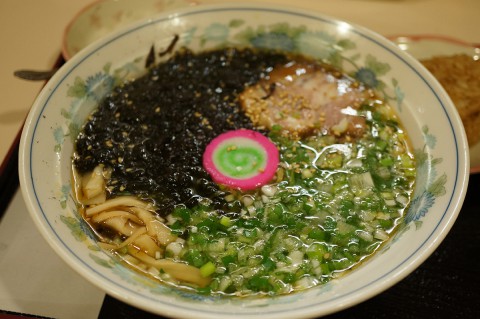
{"x":344,"y":179}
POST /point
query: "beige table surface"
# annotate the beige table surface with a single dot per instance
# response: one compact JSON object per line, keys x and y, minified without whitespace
{"x":32,"y":278}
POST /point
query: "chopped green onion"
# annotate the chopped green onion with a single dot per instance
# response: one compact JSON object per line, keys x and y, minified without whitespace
{"x":207,"y":269}
{"x":226,"y":221}
{"x":387,"y":161}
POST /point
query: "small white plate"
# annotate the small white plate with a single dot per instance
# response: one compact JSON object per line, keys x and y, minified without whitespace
{"x":102,"y":17}
{"x":427,"y":46}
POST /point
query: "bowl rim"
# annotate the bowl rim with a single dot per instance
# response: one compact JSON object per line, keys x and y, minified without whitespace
{"x":449,"y":41}
{"x":375,"y":287}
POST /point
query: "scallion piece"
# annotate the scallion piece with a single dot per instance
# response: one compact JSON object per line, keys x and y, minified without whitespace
{"x":207,"y":269}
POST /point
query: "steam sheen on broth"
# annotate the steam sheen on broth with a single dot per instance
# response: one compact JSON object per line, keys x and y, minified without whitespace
{"x":345,"y":177}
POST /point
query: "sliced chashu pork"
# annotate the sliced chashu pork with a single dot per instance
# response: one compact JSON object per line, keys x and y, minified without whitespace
{"x":303,"y":98}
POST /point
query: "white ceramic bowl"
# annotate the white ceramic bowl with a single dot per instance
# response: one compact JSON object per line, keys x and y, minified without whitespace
{"x":425,"y":109}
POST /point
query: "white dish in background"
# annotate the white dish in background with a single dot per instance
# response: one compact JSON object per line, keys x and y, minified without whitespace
{"x":73,"y":92}
{"x":103,"y":17}
{"x":427,"y":46}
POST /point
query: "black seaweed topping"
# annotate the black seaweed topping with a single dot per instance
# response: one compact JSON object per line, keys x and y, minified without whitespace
{"x":153,"y":131}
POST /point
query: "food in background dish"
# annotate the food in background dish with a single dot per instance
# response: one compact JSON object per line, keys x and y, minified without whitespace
{"x":459,"y":74}
{"x":341,"y":185}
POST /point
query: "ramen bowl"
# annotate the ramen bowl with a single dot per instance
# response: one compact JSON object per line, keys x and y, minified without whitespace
{"x":429,"y":118}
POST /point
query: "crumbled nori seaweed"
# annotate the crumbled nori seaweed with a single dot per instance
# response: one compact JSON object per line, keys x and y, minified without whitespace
{"x":153,"y":131}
